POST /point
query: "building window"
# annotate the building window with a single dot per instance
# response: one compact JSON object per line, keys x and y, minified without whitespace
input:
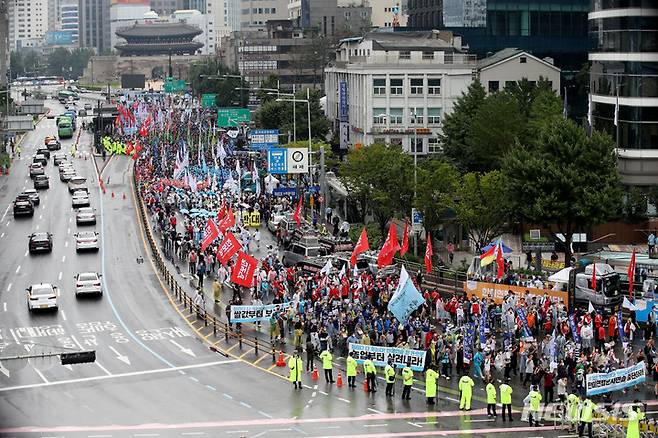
{"x":433,"y":86}
{"x":396,"y":142}
{"x":428,"y":55}
{"x":379,"y":116}
{"x":494,"y":86}
{"x":416,"y":86}
{"x":396,"y":116}
{"x":379,"y":140}
{"x":523,"y":60}
{"x":434,"y":146}
{"x":416,"y":115}
{"x":416,"y":145}
{"x":396,"y":85}
{"x":433,"y":116}
{"x":379,"y":86}
{"x":405,"y":55}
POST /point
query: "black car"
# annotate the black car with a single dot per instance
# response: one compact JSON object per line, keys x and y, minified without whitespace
{"x":23,"y":206}
{"x":32,"y":194}
{"x":41,"y":159}
{"x":58,"y":158}
{"x":53,"y":145}
{"x":40,"y":242}
{"x":44,"y":151}
{"x":41,"y":182}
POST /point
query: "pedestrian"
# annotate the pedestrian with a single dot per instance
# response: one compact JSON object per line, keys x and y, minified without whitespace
{"x":217,"y":290}
{"x":586,"y":416}
{"x":389,"y":375}
{"x":635,"y":415}
{"x":351,"y":369}
{"x":573,"y":410}
{"x":371,"y":373}
{"x":451,"y":252}
{"x":199,"y":302}
{"x":491,"y":398}
{"x":295,"y":365}
{"x":549,"y":384}
{"x":192,"y":257}
{"x":533,"y":399}
{"x":506,"y":398}
{"x":257,"y":239}
{"x":431,"y":378}
{"x":466,"y":390}
{"x":327,"y":365}
{"x":310,"y":355}
{"x":201,"y":271}
{"x":407,"y":381}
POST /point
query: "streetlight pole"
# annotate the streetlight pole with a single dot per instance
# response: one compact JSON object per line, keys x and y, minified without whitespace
{"x":308,"y":108}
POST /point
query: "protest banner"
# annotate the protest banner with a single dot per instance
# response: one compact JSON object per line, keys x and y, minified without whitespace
{"x":381,"y":355}
{"x":256,"y":313}
{"x":498,"y":292}
{"x":600,"y":383}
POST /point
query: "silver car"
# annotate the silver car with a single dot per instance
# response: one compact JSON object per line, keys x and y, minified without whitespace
{"x":86,"y":215}
{"x":77,"y":183}
{"x":42,"y":296}
{"x":80,"y":199}
{"x":86,"y":240}
{"x":88,"y":283}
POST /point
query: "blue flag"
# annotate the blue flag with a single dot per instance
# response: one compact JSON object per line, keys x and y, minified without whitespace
{"x":524,"y":321}
{"x":468,"y":343}
{"x":620,"y":325}
{"x":405,"y":301}
{"x":574,"y":329}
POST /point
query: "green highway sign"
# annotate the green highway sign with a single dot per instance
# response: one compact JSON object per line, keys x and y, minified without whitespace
{"x":232,"y":116}
{"x":208,"y":100}
{"x":172,"y":85}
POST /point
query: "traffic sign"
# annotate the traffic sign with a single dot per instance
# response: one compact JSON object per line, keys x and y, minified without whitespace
{"x":264,"y":138}
{"x":277,"y":161}
{"x":290,"y":160}
{"x":416,"y":220}
{"x":232,"y":116}
{"x":208,"y":100}
{"x":172,"y":85}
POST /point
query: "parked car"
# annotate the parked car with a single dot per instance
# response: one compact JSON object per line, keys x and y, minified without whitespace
{"x":41,"y":159}
{"x":80,"y":199}
{"x":41,"y":182}
{"x":40,"y":242}
{"x":86,"y":240}
{"x":85,"y":215}
{"x":42,"y":296}
{"x":36,"y":169}
{"x":88,"y":283}
{"x":77,"y":183}
{"x":33,"y":195}
{"x":23,"y":206}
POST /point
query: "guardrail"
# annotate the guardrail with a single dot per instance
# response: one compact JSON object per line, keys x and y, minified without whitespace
{"x":219,"y":328}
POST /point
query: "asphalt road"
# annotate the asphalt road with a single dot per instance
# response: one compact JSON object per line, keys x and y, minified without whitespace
{"x":153,"y":375}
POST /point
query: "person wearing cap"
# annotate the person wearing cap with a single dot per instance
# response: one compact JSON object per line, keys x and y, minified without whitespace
{"x":491,"y":398}
{"x":327,"y":365}
{"x":586,"y":417}
{"x":296,"y":366}
{"x":533,"y":399}
{"x":351,"y":370}
{"x":506,"y":398}
{"x":431,"y":377}
{"x":389,"y":374}
{"x":635,"y":415}
{"x":407,"y":381}
{"x":371,"y":372}
{"x":466,"y":389}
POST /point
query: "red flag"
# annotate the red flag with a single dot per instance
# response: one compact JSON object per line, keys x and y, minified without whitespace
{"x":129,"y":148}
{"x":405,"y":239}
{"x":243,"y":271}
{"x":594,"y":276}
{"x":298,"y":212}
{"x":222,"y":212}
{"x":227,"y":248}
{"x":361,"y":246}
{"x":390,"y":247}
{"x":500,"y":261}
{"x":227,"y":222}
{"x":428,"y":254}
{"x":631,"y":275}
{"x":209,"y":235}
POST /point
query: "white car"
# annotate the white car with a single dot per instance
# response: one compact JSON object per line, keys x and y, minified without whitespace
{"x":85,"y":240}
{"x":42,"y":296}
{"x":80,"y":199}
{"x":88,"y":283}
{"x":86,"y":215}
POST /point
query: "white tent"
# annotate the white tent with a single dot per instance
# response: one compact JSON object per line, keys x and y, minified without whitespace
{"x":562,"y":276}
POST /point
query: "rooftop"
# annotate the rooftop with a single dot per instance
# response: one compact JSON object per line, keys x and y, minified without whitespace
{"x":505,"y":54}
{"x":408,"y":41}
{"x":149,"y":30}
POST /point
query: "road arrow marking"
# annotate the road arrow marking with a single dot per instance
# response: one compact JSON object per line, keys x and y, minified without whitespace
{"x":4,"y":370}
{"x":184,"y":350}
{"x":122,"y":357}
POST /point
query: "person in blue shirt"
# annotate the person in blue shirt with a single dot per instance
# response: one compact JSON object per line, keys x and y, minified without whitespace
{"x":478,"y":361}
{"x":651,"y":241}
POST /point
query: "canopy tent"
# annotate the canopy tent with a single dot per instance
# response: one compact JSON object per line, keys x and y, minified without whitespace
{"x":506,"y":249}
{"x":562,"y":276}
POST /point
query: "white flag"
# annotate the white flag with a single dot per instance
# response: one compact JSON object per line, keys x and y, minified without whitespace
{"x":355,"y":272}
{"x":628,"y":305}
{"x":256,"y":179}
{"x":327,"y":268}
{"x":221,"y":153}
{"x":590,"y":110}
{"x":616,"y":121}
{"x":342,"y":272}
{"x":191,"y":181}
{"x":590,"y":309}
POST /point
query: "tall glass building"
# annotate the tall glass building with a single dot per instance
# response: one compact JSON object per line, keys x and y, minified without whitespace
{"x":624,"y":76}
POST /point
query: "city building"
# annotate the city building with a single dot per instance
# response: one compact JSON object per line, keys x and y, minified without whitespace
{"x":164,"y":8}
{"x":624,"y":83}
{"x":331,"y":17}
{"x":395,"y":87}
{"x":4,"y":43}
{"x":255,"y":13}
{"x":387,"y":13}
{"x":125,"y":13}
{"x":159,"y":38}
{"x":68,"y":19}
{"x":281,"y":50}
{"x":512,"y":65}
{"x":205,"y":22}
{"x":94,"y":26}
{"x":28,"y":23}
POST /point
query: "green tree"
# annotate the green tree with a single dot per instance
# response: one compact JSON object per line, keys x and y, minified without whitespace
{"x":437,"y":183}
{"x":545,"y":109}
{"x":210,"y":77}
{"x":482,"y":206}
{"x":565,"y":181}
{"x":635,"y":205}
{"x":457,"y":124}
{"x":372,"y":229}
{"x":380,"y":179}
{"x":271,"y":82}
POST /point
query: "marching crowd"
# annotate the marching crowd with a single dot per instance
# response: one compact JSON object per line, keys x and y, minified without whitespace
{"x":524,"y":339}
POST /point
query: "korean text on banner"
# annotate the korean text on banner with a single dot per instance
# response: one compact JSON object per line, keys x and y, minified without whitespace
{"x":599,"y":383}
{"x":381,"y":355}
{"x":256,"y":313}
{"x":228,"y":248}
{"x":243,"y":272}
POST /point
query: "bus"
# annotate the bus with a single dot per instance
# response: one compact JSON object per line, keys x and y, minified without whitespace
{"x":64,"y":95}
{"x":64,"y":127}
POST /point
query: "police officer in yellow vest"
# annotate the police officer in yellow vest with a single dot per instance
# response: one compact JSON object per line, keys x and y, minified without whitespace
{"x":407,"y":381}
{"x":389,"y":373}
{"x":431,"y":377}
{"x":371,"y":373}
{"x":296,"y":367}
{"x":466,"y":389}
{"x":586,"y":416}
{"x":351,"y":371}
{"x":635,"y":415}
{"x":506,"y":398}
{"x":327,"y":365}
{"x":491,"y":398}
{"x":573,"y":408}
{"x":533,"y":399}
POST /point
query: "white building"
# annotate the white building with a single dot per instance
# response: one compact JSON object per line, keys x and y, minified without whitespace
{"x":68,"y":19}
{"x":387,"y":13}
{"x":28,"y":22}
{"x":398,"y":87}
{"x":127,"y":14}
{"x":512,"y":65}
{"x":205,"y":22}
{"x":255,"y":13}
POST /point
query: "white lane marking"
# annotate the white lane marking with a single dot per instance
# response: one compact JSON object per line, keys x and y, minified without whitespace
{"x":68,"y":231}
{"x":42,"y":376}
{"x":114,"y":376}
{"x":59,"y":276}
{"x":452,"y":399}
{"x":324,"y":393}
{"x":18,"y":269}
{"x":9,"y":286}
{"x":4,"y":306}
{"x":40,"y":216}
{"x":344,"y":400}
{"x":2,"y":235}
{"x":66,"y":244}
{"x":103,"y":368}
{"x":192,"y":433}
{"x":63,"y":315}
{"x":194,"y":379}
{"x":414,"y":424}
{"x":6,"y":211}
{"x":483,"y":420}
{"x":228,"y":396}
{"x":259,"y":434}
{"x":36,"y":228}
{"x":237,"y":431}
{"x":246,"y":405}
{"x":8,"y":222}
{"x":375,"y":411}
{"x":211,"y":388}
{"x":265,"y":414}
{"x":26,"y":253}
{"x":279,"y":430}
{"x":63,"y":259}
{"x":99,"y":436}
{"x":376,"y":425}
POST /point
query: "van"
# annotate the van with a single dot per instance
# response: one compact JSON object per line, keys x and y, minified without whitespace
{"x":64,"y":127}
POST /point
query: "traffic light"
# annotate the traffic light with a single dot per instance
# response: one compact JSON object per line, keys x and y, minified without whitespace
{"x":78,"y":357}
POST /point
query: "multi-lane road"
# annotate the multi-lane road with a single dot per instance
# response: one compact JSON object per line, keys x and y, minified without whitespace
{"x":154,"y":376}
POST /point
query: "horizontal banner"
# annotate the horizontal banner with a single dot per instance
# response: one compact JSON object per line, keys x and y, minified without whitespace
{"x":498,"y":292}
{"x":256,"y":313}
{"x":381,"y":355}
{"x":599,"y":383}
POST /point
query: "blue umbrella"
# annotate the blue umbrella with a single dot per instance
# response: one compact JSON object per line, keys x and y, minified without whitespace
{"x":184,"y":210}
{"x":506,"y":249}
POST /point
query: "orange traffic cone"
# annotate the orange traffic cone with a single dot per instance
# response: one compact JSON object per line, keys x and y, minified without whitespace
{"x":280,"y":361}
{"x":365,"y":386}
{"x":339,"y":380}
{"x":315,"y":375}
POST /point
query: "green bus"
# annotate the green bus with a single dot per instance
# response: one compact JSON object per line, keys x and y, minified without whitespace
{"x":64,"y":127}
{"x":64,"y":95}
